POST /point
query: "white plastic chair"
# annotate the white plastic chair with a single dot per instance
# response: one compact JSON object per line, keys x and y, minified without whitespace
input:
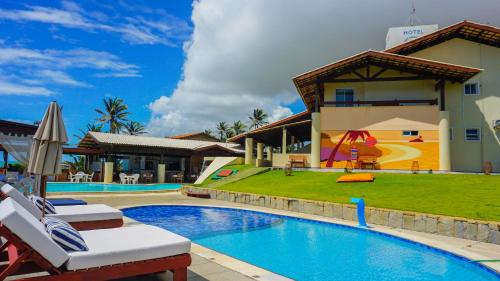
{"x":123,"y":178}
{"x":71,"y":177}
{"x":135,"y":178}
{"x":89,"y":177}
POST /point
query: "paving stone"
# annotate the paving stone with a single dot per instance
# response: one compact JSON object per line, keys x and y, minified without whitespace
{"x":445,"y":226}
{"x":420,"y":223}
{"x":396,"y":219}
{"x":430,"y":224}
{"x":409,"y":222}
{"x":460,"y":229}
{"x":471,"y":231}
{"x":494,"y":237}
{"x":337,"y":211}
{"x":328,"y":210}
{"x":483,"y":231}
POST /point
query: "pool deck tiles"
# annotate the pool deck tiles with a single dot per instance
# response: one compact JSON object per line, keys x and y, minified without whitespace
{"x":211,"y":265}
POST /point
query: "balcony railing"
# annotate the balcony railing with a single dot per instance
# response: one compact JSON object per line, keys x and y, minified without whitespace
{"x":395,"y":102}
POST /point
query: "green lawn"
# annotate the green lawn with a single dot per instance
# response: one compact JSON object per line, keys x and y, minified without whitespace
{"x":470,"y":196}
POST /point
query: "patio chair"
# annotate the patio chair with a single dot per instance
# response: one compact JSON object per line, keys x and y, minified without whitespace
{"x":71,"y":177}
{"x":134,"y":179}
{"x":123,"y":178}
{"x":147,"y":177}
{"x":113,"y":253}
{"x":89,"y":177}
{"x":81,"y":217}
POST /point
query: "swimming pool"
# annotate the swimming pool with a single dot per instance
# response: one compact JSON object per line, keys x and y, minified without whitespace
{"x":102,"y":187}
{"x":310,"y":250}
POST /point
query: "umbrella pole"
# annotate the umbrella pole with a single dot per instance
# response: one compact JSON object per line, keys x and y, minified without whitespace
{"x":43,"y":192}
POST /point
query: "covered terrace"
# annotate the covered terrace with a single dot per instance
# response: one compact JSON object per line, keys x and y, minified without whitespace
{"x":273,"y":144}
{"x":166,"y":159}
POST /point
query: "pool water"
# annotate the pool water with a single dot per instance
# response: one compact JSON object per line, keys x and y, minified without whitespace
{"x":102,"y":187}
{"x":310,"y":250}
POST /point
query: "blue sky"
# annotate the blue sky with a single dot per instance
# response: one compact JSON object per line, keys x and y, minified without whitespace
{"x":77,"y":54}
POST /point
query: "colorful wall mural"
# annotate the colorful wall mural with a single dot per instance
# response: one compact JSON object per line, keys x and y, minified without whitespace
{"x":381,"y":149}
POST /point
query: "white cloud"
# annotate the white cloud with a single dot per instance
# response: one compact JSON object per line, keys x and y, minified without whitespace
{"x":244,"y":54}
{"x":30,"y":69}
{"x":11,"y":89}
{"x":279,"y":113}
{"x":163,"y":29}
{"x":60,"y":77}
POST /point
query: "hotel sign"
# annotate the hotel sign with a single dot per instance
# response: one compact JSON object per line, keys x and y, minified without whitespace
{"x":402,"y":34}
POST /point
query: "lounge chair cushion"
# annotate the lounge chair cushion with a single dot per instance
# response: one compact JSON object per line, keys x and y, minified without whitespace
{"x":21,"y":200}
{"x":64,"y":234}
{"x":31,"y":231}
{"x":38,"y":202}
{"x":76,"y":213}
{"x":225,"y":173}
{"x":93,"y":212}
{"x":127,"y":244}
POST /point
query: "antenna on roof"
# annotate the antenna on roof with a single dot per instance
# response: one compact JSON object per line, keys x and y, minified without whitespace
{"x":413,"y":20}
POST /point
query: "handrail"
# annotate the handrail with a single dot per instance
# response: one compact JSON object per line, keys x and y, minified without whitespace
{"x":395,"y":102}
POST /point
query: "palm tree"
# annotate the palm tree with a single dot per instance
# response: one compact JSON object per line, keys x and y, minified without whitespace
{"x":134,"y":128}
{"x":114,"y":114}
{"x":208,"y":132}
{"x":222,"y":129}
{"x":258,"y":118}
{"x":91,"y":127}
{"x":238,"y":127}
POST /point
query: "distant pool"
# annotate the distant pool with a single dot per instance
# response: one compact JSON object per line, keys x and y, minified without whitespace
{"x":103,"y":187}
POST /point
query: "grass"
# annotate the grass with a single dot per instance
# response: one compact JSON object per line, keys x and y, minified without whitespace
{"x":469,"y":196}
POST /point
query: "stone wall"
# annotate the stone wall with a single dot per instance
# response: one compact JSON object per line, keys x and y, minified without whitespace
{"x":443,"y":225}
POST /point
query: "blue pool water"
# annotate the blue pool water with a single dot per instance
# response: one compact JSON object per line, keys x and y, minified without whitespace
{"x":310,"y":250}
{"x":102,"y":187}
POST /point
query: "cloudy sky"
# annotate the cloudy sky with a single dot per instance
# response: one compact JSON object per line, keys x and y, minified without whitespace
{"x":182,"y":66}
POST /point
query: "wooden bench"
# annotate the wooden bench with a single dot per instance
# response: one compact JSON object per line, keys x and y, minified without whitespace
{"x":365,"y":162}
{"x":297,"y":159}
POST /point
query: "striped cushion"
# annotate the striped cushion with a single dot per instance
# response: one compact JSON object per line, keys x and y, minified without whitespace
{"x":64,"y":234}
{"x":38,"y":201}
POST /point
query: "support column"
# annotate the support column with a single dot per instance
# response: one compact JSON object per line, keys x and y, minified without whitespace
{"x":260,"y":155}
{"x":108,"y":172}
{"x":444,"y":141}
{"x":161,"y":173}
{"x":315,"y":139}
{"x":269,"y":151}
{"x":248,"y":151}
{"x":283,"y":142}
{"x":260,"y":151}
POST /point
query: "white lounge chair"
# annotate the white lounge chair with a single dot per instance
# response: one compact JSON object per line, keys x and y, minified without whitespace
{"x":81,"y":217}
{"x":113,"y":253}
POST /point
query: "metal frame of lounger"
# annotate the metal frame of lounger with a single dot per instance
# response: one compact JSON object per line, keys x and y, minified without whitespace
{"x":86,"y":225}
{"x":22,"y":259}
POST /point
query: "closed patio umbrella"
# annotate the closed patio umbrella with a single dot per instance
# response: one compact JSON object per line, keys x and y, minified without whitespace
{"x":46,"y":150}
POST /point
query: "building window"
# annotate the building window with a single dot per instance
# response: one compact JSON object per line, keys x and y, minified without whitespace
{"x":344,"y":95}
{"x":410,"y":133}
{"x":472,"y":134}
{"x":471,"y":89}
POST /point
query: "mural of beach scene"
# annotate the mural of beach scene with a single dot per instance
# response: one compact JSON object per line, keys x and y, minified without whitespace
{"x":388,"y":149}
